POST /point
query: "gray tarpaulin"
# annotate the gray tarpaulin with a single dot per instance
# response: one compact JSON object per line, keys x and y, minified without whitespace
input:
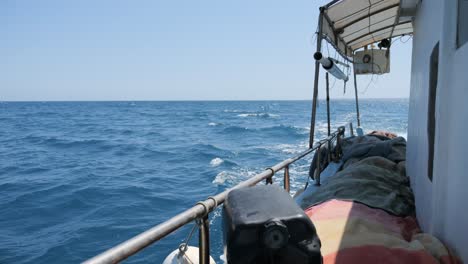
{"x":373,"y":174}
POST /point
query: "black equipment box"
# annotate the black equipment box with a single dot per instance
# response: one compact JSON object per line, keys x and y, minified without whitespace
{"x":263,"y":224}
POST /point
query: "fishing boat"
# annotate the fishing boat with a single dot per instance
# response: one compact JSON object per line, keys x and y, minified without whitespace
{"x":375,"y":197}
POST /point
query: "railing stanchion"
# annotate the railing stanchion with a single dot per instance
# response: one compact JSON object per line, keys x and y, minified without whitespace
{"x":286,"y":179}
{"x":328,"y":104}
{"x":357,"y":100}
{"x":318,"y":167}
{"x":204,"y":240}
{"x":351,"y":131}
{"x":338,"y":146}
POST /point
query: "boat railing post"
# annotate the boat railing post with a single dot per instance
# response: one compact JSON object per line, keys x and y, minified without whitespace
{"x":204,"y":240}
{"x":338,"y":144}
{"x":286,"y":179}
{"x":318,"y":166}
{"x":357,"y":99}
{"x":328,"y":117}
{"x":328,"y":103}
{"x":351,"y":131}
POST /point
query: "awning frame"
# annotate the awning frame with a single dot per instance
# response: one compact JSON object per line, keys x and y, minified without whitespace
{"x":345,"y":48}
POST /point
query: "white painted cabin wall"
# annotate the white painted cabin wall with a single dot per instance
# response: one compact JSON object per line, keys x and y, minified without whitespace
{"x":442,"y":207}
{"x":428,"y":21}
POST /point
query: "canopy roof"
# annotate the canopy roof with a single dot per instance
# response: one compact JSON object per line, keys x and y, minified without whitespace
{"x":353,"y":24}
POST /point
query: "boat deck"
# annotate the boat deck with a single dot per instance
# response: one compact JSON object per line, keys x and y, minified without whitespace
{"x":364,"y":208}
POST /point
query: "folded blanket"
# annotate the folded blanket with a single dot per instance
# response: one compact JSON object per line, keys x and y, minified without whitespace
{"x":352,"y":232}
{"x":365,"y":212}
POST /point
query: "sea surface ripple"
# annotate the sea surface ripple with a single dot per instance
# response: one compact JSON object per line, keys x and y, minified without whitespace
{"x":79,"y":177}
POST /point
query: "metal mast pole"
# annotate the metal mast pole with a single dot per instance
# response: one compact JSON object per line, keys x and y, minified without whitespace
{"x":357,"y":100}
{"x":328,"y":104}
{"x":316,"y":80}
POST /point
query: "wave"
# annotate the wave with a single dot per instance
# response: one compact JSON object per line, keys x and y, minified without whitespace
{"x":152,"y":154}
{"x":214,"y":124}
{"x":231,"y":178}
{"x":206,"y":148}
{"x":290,"y":148}
{"x":34,"y":170}
{"x":283,"y":129}
{"x":46,"y":114}
{"x":299,"y":174}
{"x":91,"y":144}
{"x":222,"y":177}
{"x":153,"y":134}
{"x":273,"y":131}
{"x":216,"y":162}
{"x":146,"y":114}
{"x":261,"y":115}
{"x":198,"y":153}
{"x":232,"y":111}
{"x":235,"y":129}
{"x":112,"y":163}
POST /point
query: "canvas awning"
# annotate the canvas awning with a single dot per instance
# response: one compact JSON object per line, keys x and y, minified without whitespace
{"x":352,"y":24}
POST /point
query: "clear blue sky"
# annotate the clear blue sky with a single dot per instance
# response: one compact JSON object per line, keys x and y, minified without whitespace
{"x":170,"y":50}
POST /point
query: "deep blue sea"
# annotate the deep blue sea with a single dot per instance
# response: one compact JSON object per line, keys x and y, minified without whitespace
{"x":79,"y":177}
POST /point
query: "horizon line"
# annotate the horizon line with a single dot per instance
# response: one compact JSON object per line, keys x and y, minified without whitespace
{"x":194,"y":100}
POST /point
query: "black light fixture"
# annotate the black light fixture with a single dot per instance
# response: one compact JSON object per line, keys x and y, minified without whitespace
{"x":384,"y":43}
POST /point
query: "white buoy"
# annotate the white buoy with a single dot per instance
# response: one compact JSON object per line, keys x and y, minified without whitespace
{"x":190,"y":256}
{"x":330,"y":66}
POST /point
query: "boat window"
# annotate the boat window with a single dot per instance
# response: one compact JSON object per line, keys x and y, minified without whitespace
{"x":462,"y":30}
{"x":431,"y":120}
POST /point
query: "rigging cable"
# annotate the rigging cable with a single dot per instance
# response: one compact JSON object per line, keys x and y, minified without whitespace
{"x":409,"y":37}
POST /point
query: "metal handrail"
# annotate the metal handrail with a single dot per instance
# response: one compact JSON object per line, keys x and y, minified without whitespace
{"x":199,"y":211}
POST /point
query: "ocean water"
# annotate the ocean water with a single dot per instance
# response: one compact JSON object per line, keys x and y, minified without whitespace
{"x":79,"y":177}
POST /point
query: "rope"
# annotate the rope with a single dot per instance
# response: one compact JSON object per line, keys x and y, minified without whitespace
{"x":204,"y":206}
{"x":269,"y":180}
{"x":183,"y":247}
{"x":214,"y":201}
{"x":272,"y":171}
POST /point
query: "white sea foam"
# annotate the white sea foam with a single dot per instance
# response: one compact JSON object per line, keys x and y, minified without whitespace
{"x":298,"y":173}
{"x":223,"y":258}
{"x":215,"y":214}
{"x":290,"y":148}
{"x":232,"y":178}
{"x":222,"y":177}
{"x":258,"y":115}
{"x":213,"y":124}
{"x":216,"y":162}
